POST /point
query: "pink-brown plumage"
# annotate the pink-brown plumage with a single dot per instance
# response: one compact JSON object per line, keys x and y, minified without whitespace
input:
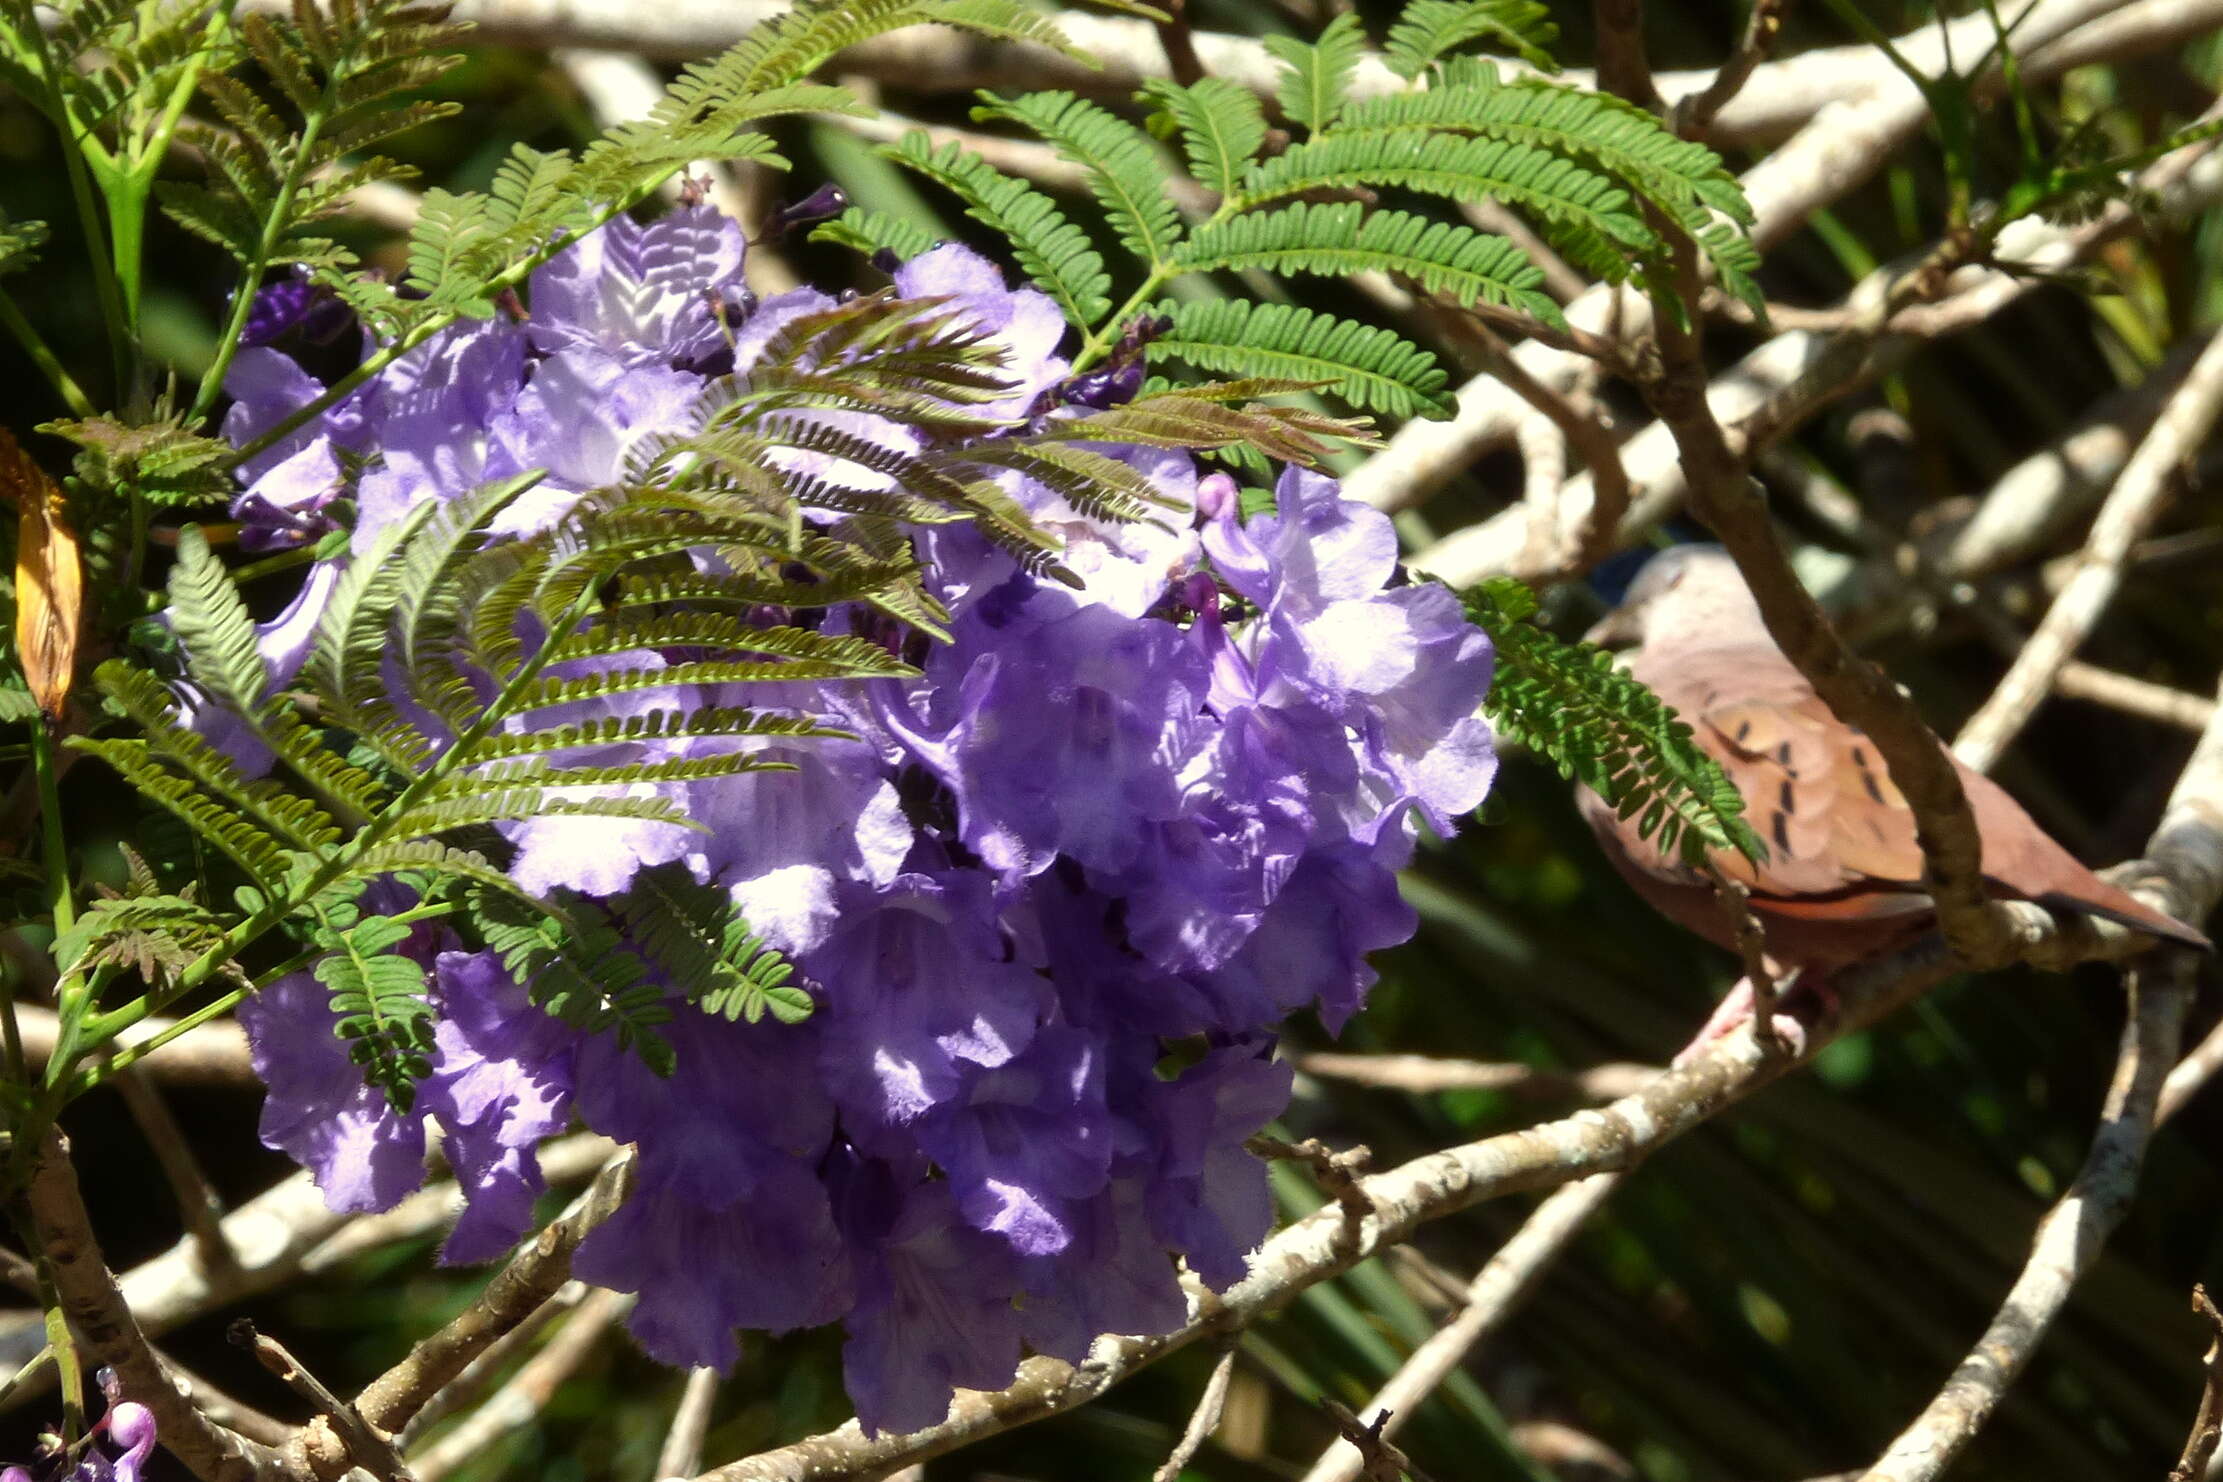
{"x":1843,"y":877}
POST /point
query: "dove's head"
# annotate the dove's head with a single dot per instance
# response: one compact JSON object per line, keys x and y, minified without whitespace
{"x":1692,"y":593}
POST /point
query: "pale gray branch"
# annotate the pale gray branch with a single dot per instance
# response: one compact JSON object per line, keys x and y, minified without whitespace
{"x":2135,"y":502}
{"x":1490,"y":1299}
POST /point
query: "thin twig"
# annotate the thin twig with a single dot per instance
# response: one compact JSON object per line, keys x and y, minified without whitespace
{"x":1379,"y":1460}
{"x":1593,"y":442}
{"x":530,"y":1278}
{"x":682,"y":1452}
{"x":2207,"y":1424}
{"x":1204,"y":1420}
{"x":467,"y":1386}
{"x":1336,"y":1172}
{"x":198,"y":1206}
{"x":2137,"y":499}
{"x":1178,"y":40}
{"x":1693,"y":113}
{"x":525,"y":1397}
{"x":1752,"y":945}
{"x":2068,"y":1239}
{"x":1624,"y":66}
{"x":1489,"y":1300}
{"x":335,"y":1422}
{"x":1423,"y":1074}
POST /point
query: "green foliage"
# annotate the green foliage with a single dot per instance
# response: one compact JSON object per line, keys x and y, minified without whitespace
{"x":380,"y":996}
{"x":1125,"y":172}
{"x":1050,"y":249}
{"x":1320,"y":74}
{"x":1340,"y":238}
{"x":1220,"y":124}
{"x":20,"y":242}
{"x":285,"y":161}
{"x":160,"y":460}
{"x":1601,"y":727}
{"x":1584,"y":168}
{"x":704,"y":947}
{"x":1371,"y":368}
{"x":1428,"y":29}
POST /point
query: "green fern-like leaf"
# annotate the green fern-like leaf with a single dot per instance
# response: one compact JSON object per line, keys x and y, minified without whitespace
{"x":1051,"y":250}
{"x":865,"y":230}
{"x":385,"y":1013}
{"x":1339,"y":238}
{"x":1601,"y":727}
{"x":1373,"y":369}
{"x":1585,"y":214}
{"x":705,"y":947}
{"x":1125,"y":173}
{"x":1427,"y":29}
{"x":1320,"y":74}
{"x":213,"y":624}
{"x":579,"y":969}
{"x":1220,"y":123}
{"x":151,"y":934}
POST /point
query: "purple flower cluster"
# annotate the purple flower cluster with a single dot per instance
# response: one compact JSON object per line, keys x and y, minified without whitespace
{"x":1053,"y":897}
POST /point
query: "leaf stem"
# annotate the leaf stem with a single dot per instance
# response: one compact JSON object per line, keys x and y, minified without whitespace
{"x":42,"y":355}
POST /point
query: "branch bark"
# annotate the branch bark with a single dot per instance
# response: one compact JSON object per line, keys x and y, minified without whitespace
{"x":108,"y":1332}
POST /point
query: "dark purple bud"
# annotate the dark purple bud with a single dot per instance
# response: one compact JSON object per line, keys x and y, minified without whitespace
{"x":822,"y":204}
{"x":886,"y":261}
{"x":296,"y":304}
{"x":1101,"y":390}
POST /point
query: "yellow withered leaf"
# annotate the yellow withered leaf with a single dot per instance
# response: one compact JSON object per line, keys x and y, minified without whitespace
{"x":49,"y":579}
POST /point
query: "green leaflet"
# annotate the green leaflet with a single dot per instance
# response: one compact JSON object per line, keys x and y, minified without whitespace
{"x":1373,"y":369}
{"x":385,"y":1012}
{"x":1320,"y":74}
{"x":1220,"y":123}
{"x":1601,"y":727}
{"x":1053,"y":251}
{"x":1340,"y":238}
{"x":1427,"y":29}
{"x":1126,"y":175}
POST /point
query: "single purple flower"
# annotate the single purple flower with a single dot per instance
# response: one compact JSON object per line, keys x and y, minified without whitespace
{"x":934,"y":1306}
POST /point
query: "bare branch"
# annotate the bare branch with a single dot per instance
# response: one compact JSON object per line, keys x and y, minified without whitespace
{"x":198,"y":1206}
{"x":1423,"y":1074}
{"x":212,"y":1054}
{"x":531,"y":1278}
{"x":1624,"y":67}
{"x":1490,"y":1299}
{"x":1693,"y":113}
{"x":682,"y":1452}
{"x":2068,"y":1239}
{"x":111,"y":1335}
{"x":525,"y":1397}
{"x":2134,"y":504}
{"x":280,"y":1233}
{"x":467,"y":1386}
{"x":1204,"y":1420}
{"x":2207,"y":1425}
{"x":338,"y":1435}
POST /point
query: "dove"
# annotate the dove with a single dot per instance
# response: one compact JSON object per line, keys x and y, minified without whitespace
{"x":1843,"y":877}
